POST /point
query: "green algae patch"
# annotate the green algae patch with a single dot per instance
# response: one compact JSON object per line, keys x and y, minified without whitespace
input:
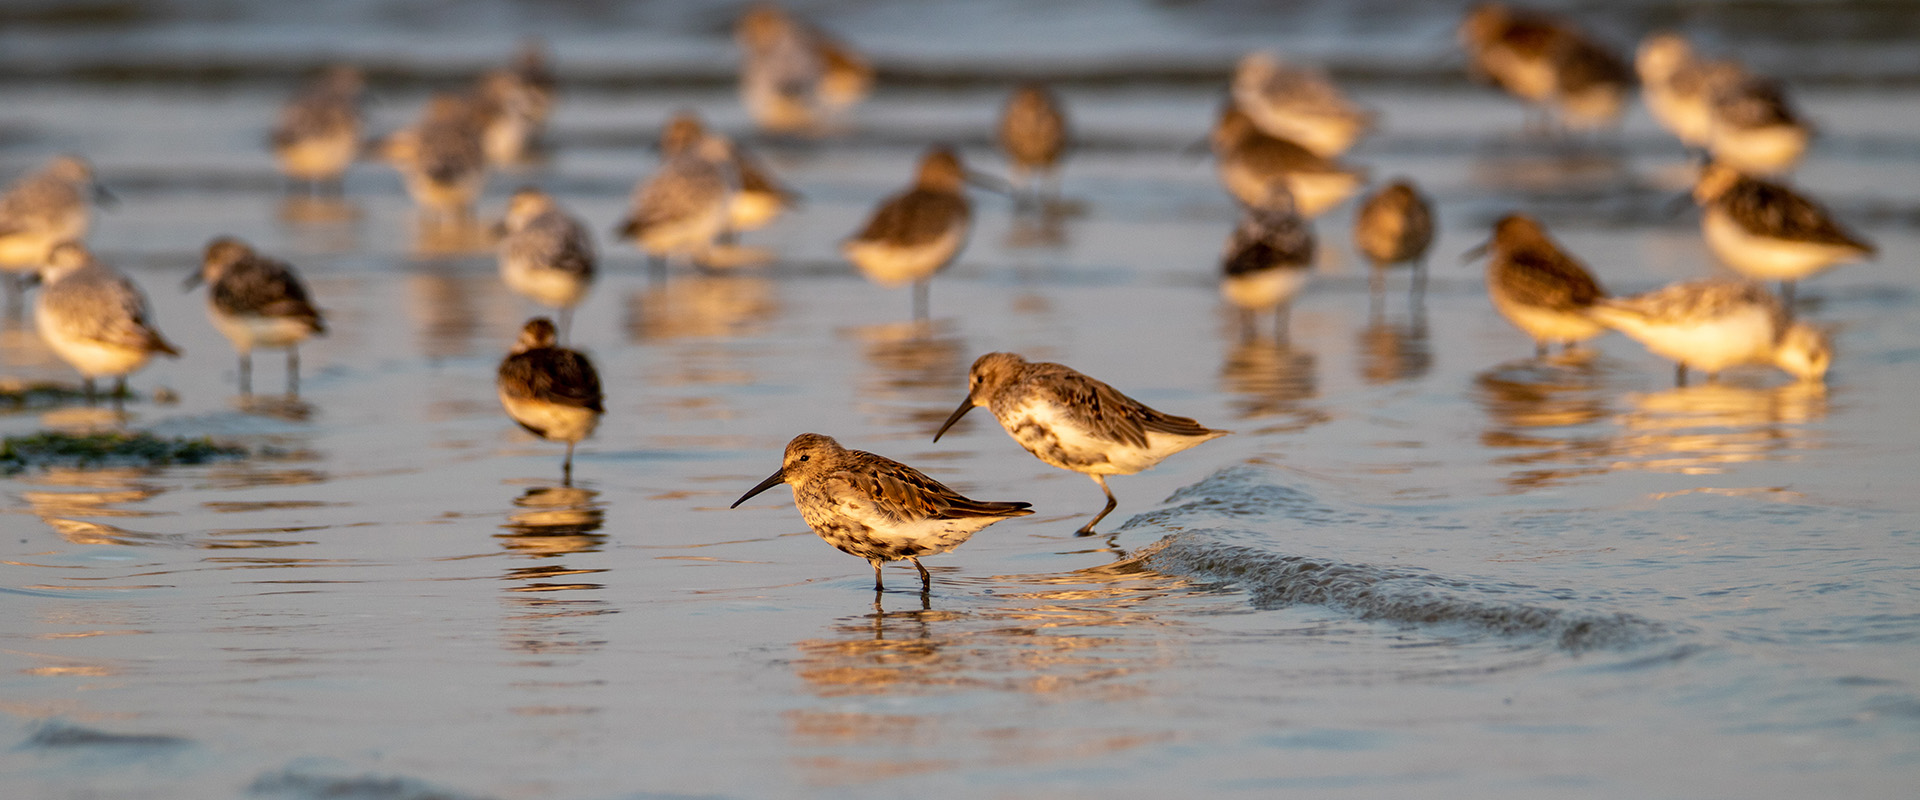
{"x":48,"y":448}
{"x":19,"y":396}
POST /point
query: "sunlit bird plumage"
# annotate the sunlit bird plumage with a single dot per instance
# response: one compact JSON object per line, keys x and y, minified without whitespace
{"x":1248,"y":160}
{"x":1547,"y":62}
{"x":546,"y":254}
{"x":1718,"y":323}
{"x":318,"y":134}
{"x":1299,"y":104}
{"x":1267,"y":260}
{"x":256,"y":301}
{"x":95,"y":318}
{"x":1394,"y":227}
{"x":551,"y":391}
{"x":1538,"y":286}
{"x":1767,"y":231}
{"x":441,"y":157}
{"x":916,"y":233}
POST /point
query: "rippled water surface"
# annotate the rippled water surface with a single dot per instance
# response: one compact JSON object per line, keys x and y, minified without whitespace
{"x":1425,"y":564}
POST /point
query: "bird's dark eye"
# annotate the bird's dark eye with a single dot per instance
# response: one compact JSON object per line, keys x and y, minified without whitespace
{"x":803,"y":458}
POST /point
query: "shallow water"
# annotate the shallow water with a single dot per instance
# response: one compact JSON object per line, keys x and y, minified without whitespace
{"x":1425,"y":563}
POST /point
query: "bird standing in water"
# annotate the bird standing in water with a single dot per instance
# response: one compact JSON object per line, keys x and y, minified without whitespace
{"x":1539,"y":287}
{"x":1267,"y":261}
{"x":1033,"y":132}
{"x":257,"y":301}
{"x":1717,"y":323}
{"x":918,"y":232}
{"x":545,"y":253}
{"x":550,"y":390}
{"x":1395,"y":226}
{"x":94,"y":318}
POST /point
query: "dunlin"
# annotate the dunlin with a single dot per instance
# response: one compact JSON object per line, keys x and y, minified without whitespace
{"x":1074,"y":422}
{"x":1395,"y":226}
{"x":876,"y":508}
{"x":1033,"y":132}
{"x":1767,"y":231}
{"x":1537,"y":286}
{"x":1711,"y":325}
{"x":918,"y":232}
{"x":318,"y":134}
{"x":1267,"y":261}
{"x":683,"y":208}
{"x":1249,"y":160}
{"x":94,"y":318}
{"x":759,"y":197}
{"x":1756,"y":129}
{"x":550,"y":390}
{"x":792,"y":74}
{"x":1547,"y":62}
{"x":441,"y":158}
{"x":1299,"y":104}
{"x":41,"y":210}
{"x":1678,"y":85}
{"x":545,"y":253}
{"x":257,"y":301}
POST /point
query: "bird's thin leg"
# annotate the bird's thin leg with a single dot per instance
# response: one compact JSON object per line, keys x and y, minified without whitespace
{"x":926,"y":580}
{"x":566,"y":323}
{"x":1786,"y":296}
{"x":1680,"y":374}
{"x":246,"y":373}
{"x":1539,"y":349}
{"x":878,"y":585}
{"x":1111,"y":503}
{"x":1246,"y":325}
{"x":87,"y":383}
{"x":15,"y":296}
{"x":119,"y":392}
{"x":566,"y":467}
{"x":1281,"y":317}
{"x":1419,"y":280}
{"x":293,"y":371}
{"x":920,"y":299}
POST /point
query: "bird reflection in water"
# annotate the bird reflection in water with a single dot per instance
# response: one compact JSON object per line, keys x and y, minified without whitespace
{"x":1555,"y":172}
{"x":701,"y":305}
{"x":1042,"y":223}
{"x":544,"y":616}
{"x":911,"y":369}
{"x":283,"y":407}
{"x":1392,"y":350}
{"x":452,"y":237}
{"x":448,"y":306}
{"x":321,"y":223}
{"x":1271,"y":379}
{"x":1524,"y":399}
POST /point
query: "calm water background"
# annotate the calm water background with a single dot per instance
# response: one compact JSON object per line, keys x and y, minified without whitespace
{"x":1425,"y":565}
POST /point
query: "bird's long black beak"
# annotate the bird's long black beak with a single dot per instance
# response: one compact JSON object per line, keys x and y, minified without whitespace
{"x":966,"y":405}
{"x":104,"y":198}
{"x":991,"y":183}
{"x":778,"y":477}
{"x":192,"y":281}
{"x":1476,"y":253}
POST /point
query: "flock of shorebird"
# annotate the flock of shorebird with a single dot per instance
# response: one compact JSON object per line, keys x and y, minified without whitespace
{"x":1276,"y":144}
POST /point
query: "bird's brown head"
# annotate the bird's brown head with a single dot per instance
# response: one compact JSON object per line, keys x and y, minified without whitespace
{"x":940,"y":169}
{"x":681,"y":133}
{"x":807,"y":455}
{"x":990,"y":373}
{"x":526,"y":204}
{"x":1715,"y":179}
{"x":537,"y":333}
{"x":221,"y":255}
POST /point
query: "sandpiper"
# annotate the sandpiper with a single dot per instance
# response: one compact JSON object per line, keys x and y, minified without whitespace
{"x":257,"y":301}
{"x":684,"y":206}
{"x":550,"y":390}
{"x":758,"y":198}
{"x":1033,"y":132}
{"x":1547,"y":62}
{"x":1539,"y":287}
{"x":1299,"y":104}
{"x":441,"y":158}
{"x":94,"y":318}
{"x":318,"y":135}
{"x":1395,"y":226}
{"x":1267,"y":261}
{"x":1677,"y":85}
{"x":1717,"y":323}
{"x":792,"y":74}
{"x":1767,"y":231}
{"x":41,"y":210}
{"x":1756,"y":129}
{"x":877,"y":508}
{"x":918,"y":232}
{"x":1249,"y":160}
{"x":545,"y":254}
{"x":1074,"y":422}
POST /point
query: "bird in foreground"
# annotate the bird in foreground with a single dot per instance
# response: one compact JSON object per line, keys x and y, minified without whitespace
{"x":1767,"y":231}
{"x":1537,"y":286}
{"x":794,"y":75}
{"x":918,"y":232}
{"x":441,"y":158}
{"x":318,"y":134}
{"x":1755,"y":129}
{"x":1033,"y":132}
{"x":257,"y":301}
{"x":1717,"y":323}
{"x":1298,"y":104}
{"x":1249,"y":160}
{"x":683,"y":208}
{"x":1395,"y":226}
{"x":758,"y":198}
{"x":877,"y":508}
{"x":41,"y":210}
{"x":95,"y":318}
{"x":1074,"y":422}
{"x":1548,"y":62}
{"x":545,"y":253}
{"x":1267,"y":261}
{"x":550,"y":390}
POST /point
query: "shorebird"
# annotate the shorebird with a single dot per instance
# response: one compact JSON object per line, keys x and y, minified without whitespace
{"x":257,"y":301}
{"x":1395,"y":226}
{"x":1537,"y":286}
{"x":545,"y":254}
{"x":758,"y":198}
{"x":1755,"y":127}
{"x":550,"y":390}
{"x":1767,"y":231}
{"x":792,"y":74}
{"x":1033,"y":132}
{"x":1678,"y":85}
{"x":1074,"y":422}
{"x":318,"y":135}
{"x":441,"y":158}
{"x":41,"y":210}
{"x":1249,"y":160}
{"x":918,"y":232}
{"x":1298,"y":104}
{"x":877,"y":508}
{"x":684,"y":207}
{"x":94,"y":318}
{"x":1267,"y":261}
{"x":1547,"y":62}
{"x":1714,"y":324}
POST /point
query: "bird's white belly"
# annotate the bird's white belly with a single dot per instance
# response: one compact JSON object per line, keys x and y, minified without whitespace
{"x":552,"y":288}
{"x":561,"y":423}
{"x":248,"y":331}
{"x":892,"y":265}
{"x":1051,"y":437}
{"x":1742,"y":337}
{"x":1766,"y":150}
{"x":1265,"y":289}
{"x":90,"y":357}
{"x":1545,"y":324}
{"x":1767,"y":258}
